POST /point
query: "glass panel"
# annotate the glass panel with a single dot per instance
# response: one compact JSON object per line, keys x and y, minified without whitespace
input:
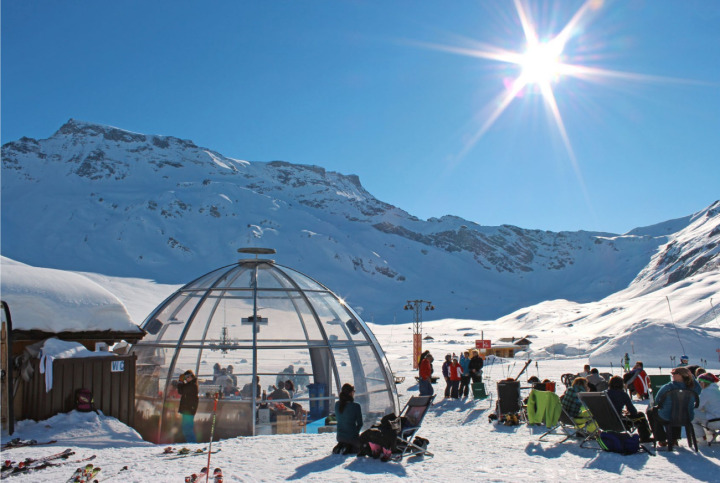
{"x":339,"y":325}
{"x":209,"y":279}
{"x":302,"y":280}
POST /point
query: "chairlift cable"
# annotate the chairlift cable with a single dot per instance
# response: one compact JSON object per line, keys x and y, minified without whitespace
{"x":673,"y":323}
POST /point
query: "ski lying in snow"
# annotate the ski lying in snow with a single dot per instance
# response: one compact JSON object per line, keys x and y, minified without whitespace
{"x":174,"y":456}
{"x":85,"y":474}
{"x":112,"y":475}
{"x":33,"y":464}
{"x":19,"y":443}
{"x":217,"y":476}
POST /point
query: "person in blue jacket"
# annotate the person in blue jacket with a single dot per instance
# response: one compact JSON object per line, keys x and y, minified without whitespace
{"x":659,"y":416}
{"x":349,"y":420}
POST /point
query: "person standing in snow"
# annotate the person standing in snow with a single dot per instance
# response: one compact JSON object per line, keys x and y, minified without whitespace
{"x":475,"y":366}
{"x":188,"y":389}
{"x":465,"y":378}
{"x":626,"y":362}
{"x":454,"y":374}
{"x":425,"y":370}
{"x":707,"y":415}
{"x":446,"y":374}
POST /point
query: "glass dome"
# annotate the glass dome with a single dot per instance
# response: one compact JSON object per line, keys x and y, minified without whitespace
{"x":303,"y":332}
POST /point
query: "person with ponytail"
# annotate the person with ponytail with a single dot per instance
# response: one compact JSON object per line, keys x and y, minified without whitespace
{"x":349,"y":421}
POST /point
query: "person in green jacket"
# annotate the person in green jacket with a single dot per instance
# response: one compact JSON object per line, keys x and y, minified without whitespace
{"x":349,"y":420}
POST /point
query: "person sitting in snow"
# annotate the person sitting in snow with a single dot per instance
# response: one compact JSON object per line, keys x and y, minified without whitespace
{"x":349,"y":421}
{"x":631,"y":416}
{"x":707,"y":415}
{"x":585,"y":372}
{"x":596,"y":382}
{"x":660,"y":415}
{"x":638,"y":381}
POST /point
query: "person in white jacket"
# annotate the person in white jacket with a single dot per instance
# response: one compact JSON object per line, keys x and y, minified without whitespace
{"x":707,"y":415}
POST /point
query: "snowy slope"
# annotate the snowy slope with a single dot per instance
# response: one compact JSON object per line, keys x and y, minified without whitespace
{"x":105,"y":200}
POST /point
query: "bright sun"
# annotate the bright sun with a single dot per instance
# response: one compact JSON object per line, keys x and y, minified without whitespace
{"x":541,"y":63}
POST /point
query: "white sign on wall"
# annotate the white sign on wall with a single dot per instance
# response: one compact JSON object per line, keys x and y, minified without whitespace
{"x":117,"y":366}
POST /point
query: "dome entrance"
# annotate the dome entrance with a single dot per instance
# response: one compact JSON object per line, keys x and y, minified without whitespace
{"x":256,"y":321}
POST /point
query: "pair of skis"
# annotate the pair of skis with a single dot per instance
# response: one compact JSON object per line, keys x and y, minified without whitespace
{"x":29,"y":464}
{"x":171,"y":453}
{"x":20,"y":443}
{"x":203,"y":476}
{"x":90,"y":474}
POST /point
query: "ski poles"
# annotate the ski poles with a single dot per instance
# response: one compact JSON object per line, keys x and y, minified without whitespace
{"x":212,"y":431}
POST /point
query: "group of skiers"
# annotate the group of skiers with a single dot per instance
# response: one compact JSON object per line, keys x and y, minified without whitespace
{"x":458,"y":373}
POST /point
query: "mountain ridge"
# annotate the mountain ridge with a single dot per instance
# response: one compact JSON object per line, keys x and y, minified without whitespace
{"x":111,"y":201}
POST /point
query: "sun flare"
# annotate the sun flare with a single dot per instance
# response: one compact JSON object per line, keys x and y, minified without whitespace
{"x":541,"y":63}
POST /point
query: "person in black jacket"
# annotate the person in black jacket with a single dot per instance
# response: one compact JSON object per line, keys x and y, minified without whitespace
{"x":631,"y":417}
{"x":475,"y":366}
{"x":188,"y":389}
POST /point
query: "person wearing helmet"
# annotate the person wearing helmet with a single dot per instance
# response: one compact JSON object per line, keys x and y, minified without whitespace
{"x":684,"y":360}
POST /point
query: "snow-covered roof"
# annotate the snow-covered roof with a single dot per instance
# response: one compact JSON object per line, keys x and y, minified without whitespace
{"x":59,"y":301}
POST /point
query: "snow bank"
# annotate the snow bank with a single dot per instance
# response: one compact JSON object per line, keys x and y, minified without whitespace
{"x":56,"y":301}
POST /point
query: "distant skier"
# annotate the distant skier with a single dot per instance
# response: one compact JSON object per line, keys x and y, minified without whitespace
{"x":626,"y":362}
{"x":684,"y":360}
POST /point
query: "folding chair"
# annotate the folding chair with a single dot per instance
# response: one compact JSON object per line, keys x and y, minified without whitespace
{"x":565,"y":423}
{"x":412,"y":417}
{"x":509,"y":400}
{"x":603,"y":413}
{"x":680,"y":415}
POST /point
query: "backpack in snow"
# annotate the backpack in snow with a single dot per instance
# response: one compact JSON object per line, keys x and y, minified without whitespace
{"x":622,"y":443}
{"x":84,"y":401}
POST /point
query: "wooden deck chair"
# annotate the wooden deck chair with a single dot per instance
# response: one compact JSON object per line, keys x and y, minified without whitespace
{"x":412,"y":417}
{"x":509,"y":401}
{"x":605,"y":416}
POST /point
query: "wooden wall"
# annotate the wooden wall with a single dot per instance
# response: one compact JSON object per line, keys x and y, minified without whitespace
{"x":113,"y":391}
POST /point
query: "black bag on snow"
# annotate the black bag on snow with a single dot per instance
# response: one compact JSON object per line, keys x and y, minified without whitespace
{"x":622,"y":443}
{"x":84,"y":401}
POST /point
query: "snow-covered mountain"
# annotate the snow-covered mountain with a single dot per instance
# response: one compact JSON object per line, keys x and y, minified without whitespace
{"x":100,"y":199}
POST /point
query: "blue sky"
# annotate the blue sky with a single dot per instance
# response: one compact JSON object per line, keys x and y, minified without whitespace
{"x":378,"y":89}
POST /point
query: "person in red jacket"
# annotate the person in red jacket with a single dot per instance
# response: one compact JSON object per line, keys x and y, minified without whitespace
{"x":426,"y":370}
{"x":455,"y":374}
